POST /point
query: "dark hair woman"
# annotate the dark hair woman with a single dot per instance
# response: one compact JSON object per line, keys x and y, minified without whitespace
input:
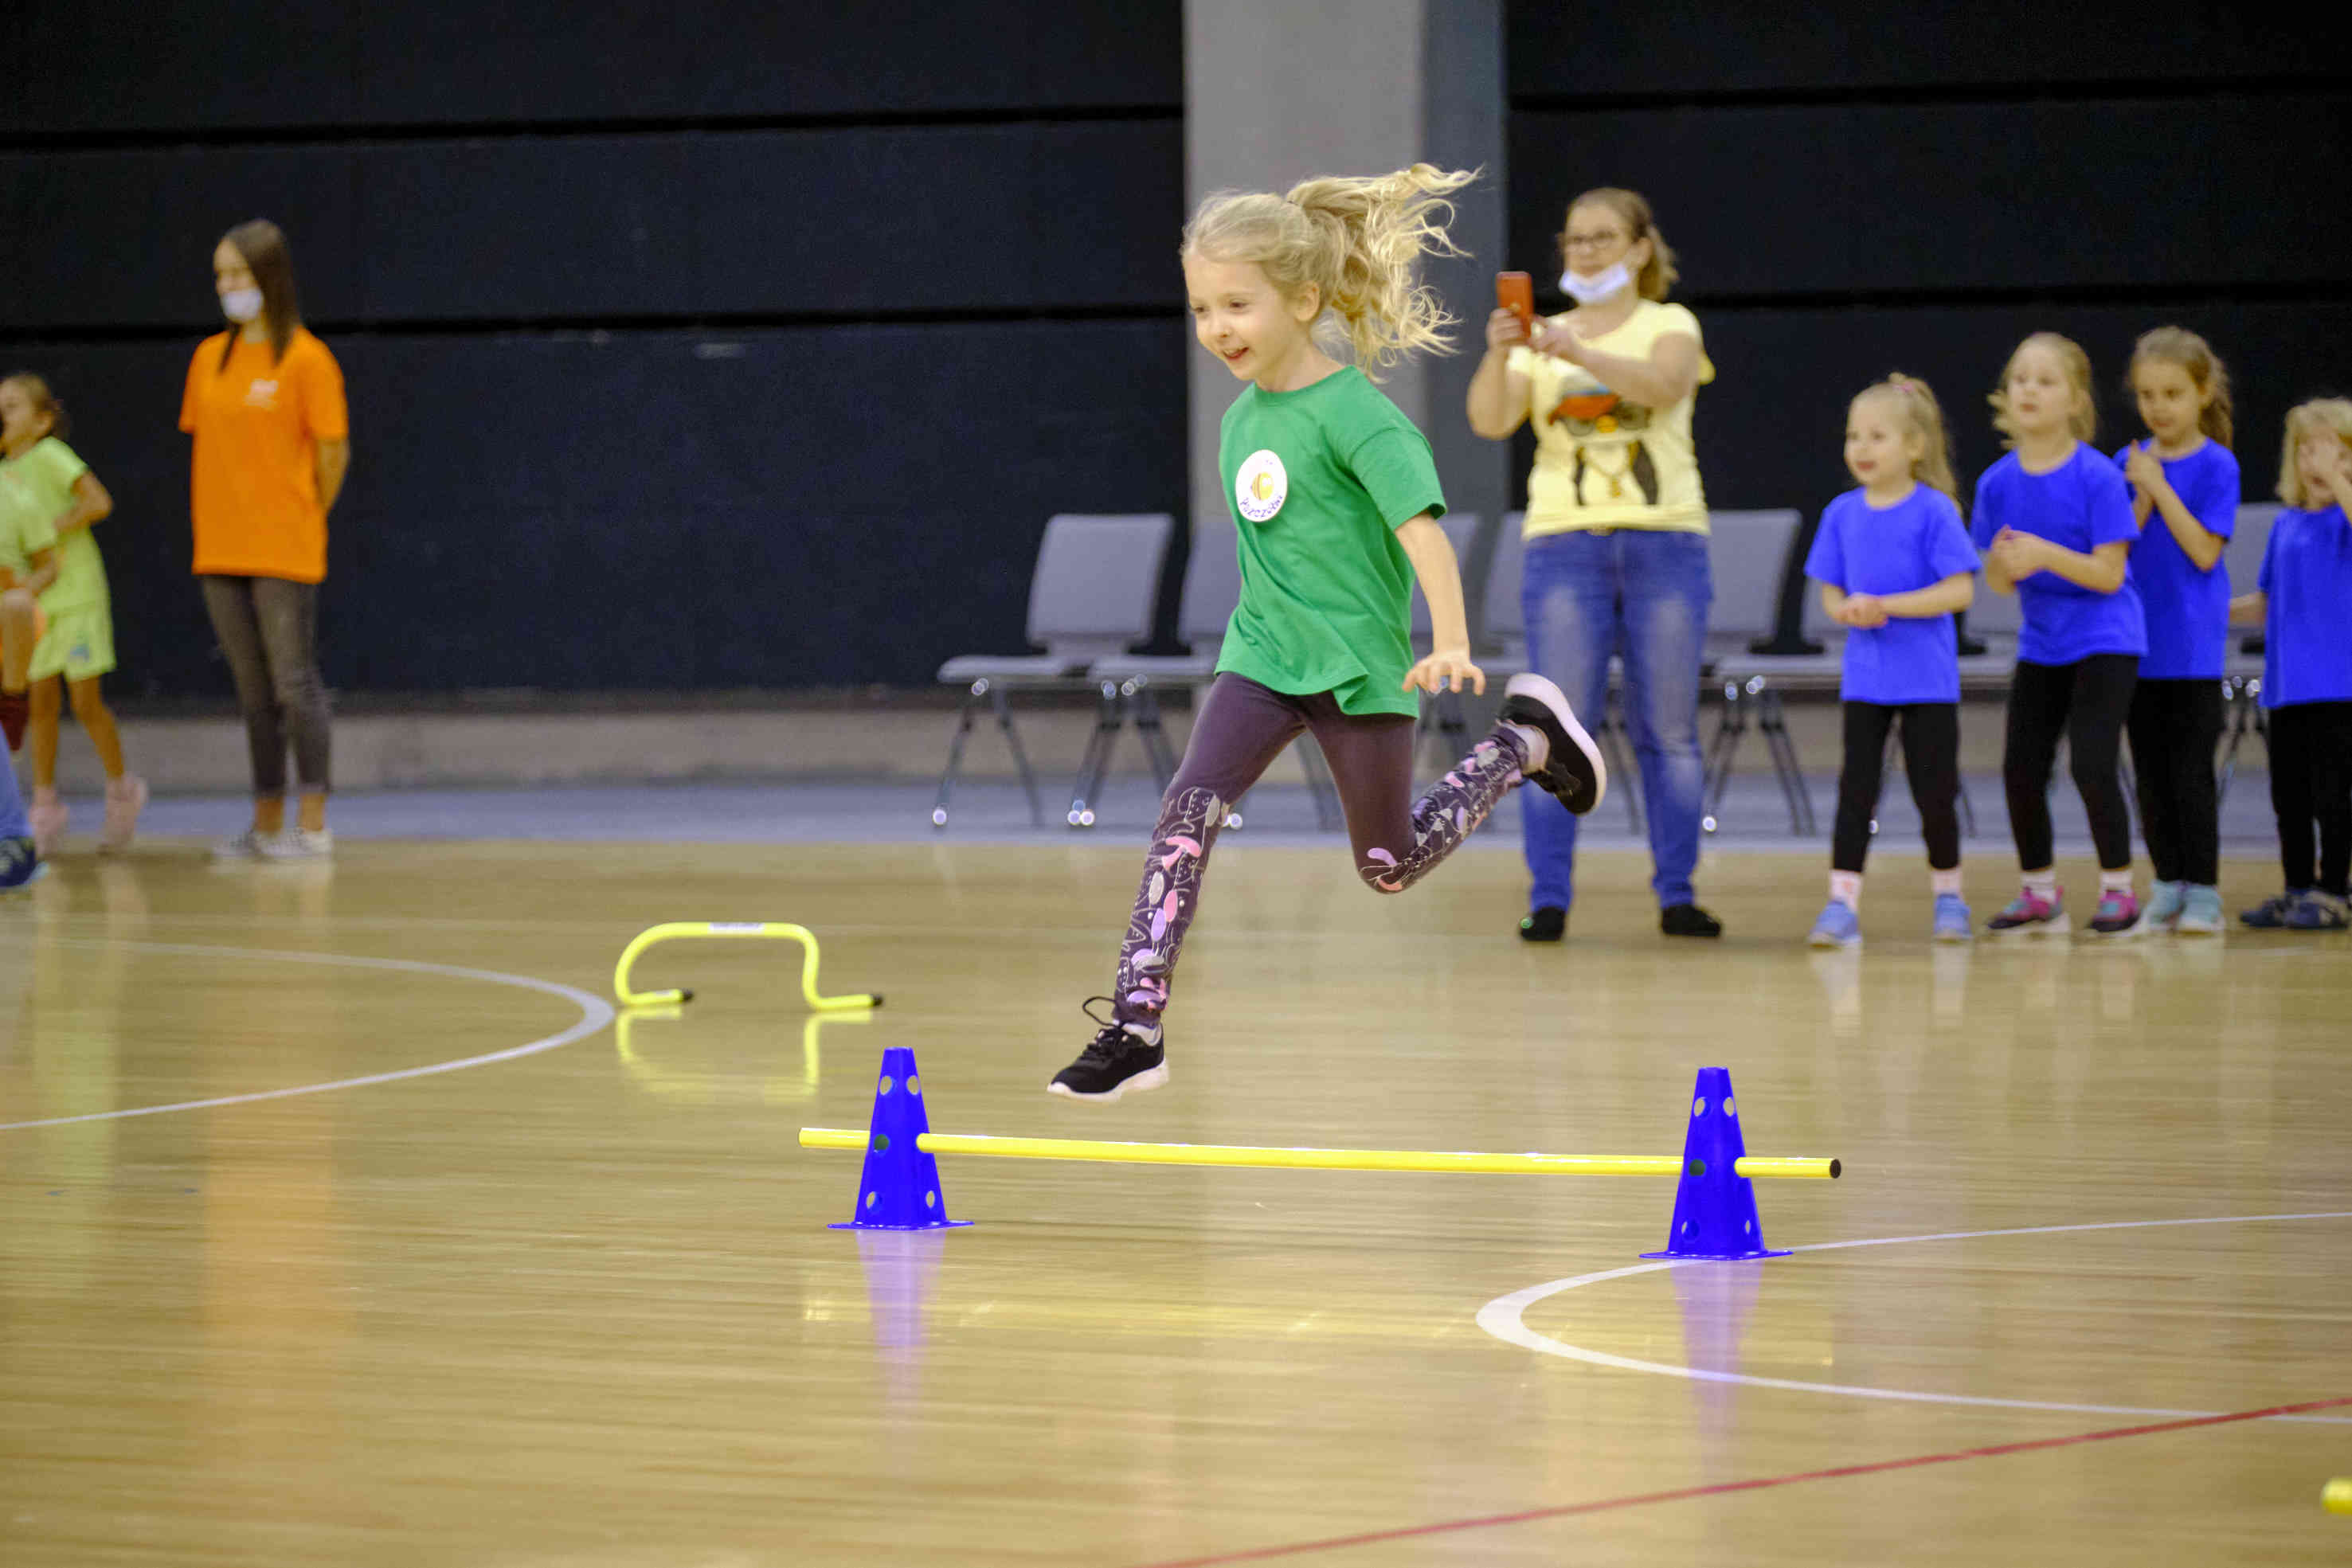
{"x":265,"y":402}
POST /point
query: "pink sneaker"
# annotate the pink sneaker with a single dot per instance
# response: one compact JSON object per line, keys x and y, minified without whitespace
{"x":2031,"y":915}
{"x":48,"y":814}
{"x":125,"y":798}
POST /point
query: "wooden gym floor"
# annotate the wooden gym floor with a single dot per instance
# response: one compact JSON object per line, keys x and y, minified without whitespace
{"x":577,"y":1304}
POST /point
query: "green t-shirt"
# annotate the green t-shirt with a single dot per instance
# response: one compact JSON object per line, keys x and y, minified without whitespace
{"x":1319,"y":479}
{"x":35,"y":488}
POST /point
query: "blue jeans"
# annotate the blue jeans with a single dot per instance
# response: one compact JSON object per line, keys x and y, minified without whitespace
{"x":13,"y":823}
{"x":1642,"y":595}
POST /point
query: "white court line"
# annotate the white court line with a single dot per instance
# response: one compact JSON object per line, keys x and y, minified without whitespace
{"x":1503,"y":1318}
{"x":594,"y":1014}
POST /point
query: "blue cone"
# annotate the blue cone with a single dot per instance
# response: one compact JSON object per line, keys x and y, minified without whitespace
{"x":899,"y":1187}
{"x":1714,"y":1208}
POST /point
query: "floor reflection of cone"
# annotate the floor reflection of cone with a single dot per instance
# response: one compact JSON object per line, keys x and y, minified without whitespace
{"x":899,"y":1266}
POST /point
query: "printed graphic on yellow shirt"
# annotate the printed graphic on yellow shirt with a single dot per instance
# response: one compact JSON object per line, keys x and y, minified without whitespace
{"x":1611,"y":464}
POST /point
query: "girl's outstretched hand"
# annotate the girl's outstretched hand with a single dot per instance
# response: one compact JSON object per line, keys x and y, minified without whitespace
{"x":1445,"y":671}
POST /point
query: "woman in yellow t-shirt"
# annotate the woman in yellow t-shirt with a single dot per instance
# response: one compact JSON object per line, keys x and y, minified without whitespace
{"x":265,"y":402}
{"x":1616,"y":530}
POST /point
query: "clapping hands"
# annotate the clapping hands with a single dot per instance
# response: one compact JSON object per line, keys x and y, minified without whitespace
{"x":2020,"y":555}
{"x":1864,"y":611}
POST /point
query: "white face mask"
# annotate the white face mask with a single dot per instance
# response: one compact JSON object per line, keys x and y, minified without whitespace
{"x":241,"y":304}
{"x":1592,"y":290}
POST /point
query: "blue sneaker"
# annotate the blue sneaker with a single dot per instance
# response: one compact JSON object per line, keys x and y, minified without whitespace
{"x":20,"y":864}
{"x":1837,"y":928}
{"x":2317,"y":911}
{"x":2200,"y":911}
{"x":2271,"y":914}
{"x":1953,"y":923}
{"x":2165,"y":901}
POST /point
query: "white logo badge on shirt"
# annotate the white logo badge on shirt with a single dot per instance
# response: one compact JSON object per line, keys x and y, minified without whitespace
{"x":1261,"y":486}
{"x":261,"y":395}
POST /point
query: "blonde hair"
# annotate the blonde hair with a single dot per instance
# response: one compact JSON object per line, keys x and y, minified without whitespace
{"x":1356,"y":240}
{"x":1925,"y":415}
{"x":1658,"y":274}
{"x":2195,"y":356}
{"x":2303,"y":420}
{"x":2083,"y":421}
{"x":46,"y":404}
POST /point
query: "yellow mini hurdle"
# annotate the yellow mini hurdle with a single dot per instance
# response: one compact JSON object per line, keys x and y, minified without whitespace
{"x":735,"y":930}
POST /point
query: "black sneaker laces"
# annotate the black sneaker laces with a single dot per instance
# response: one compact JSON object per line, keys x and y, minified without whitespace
{"x":1110,"y":1040}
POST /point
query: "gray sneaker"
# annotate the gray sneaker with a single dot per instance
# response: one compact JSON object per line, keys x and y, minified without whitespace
{"x":2164,"y":901}
{"x":298,"y":844}
{"x":246,"y":846}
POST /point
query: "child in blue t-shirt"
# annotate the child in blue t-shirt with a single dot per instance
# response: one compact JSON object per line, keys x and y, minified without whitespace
{"x":2305,"y":605}
{"x":2055,"y":522}
{"x":1894,"y":565}
{"x":2184,"y":484}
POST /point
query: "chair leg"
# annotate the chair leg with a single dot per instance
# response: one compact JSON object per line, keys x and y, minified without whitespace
{"x":1020,"y":757}
{"x":2235,"y":702}
{"x":1143,"y":707}
{"x":1722,"y":751}
{"x":1110,"y":716}
{"x":1772,"y":721}
{"x":964,"y":716}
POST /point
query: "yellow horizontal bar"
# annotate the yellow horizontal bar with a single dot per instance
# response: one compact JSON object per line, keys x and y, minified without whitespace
{"x":1315,"y":1159}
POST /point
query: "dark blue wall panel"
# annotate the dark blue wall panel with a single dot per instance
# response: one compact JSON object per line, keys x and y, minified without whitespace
{"x":117,"y":66}
{"x":1031,"y":215}
{"x":661,"y":510}
{"x":1683,"y":48}
{"x":2068,"y":193}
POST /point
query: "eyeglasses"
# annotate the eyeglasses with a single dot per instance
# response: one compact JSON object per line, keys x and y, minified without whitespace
{"x":1597,"y":241}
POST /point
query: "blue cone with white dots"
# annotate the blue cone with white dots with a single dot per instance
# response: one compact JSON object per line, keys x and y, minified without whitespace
{"x":1714,"y":1205}
{"x":899,"y":1187}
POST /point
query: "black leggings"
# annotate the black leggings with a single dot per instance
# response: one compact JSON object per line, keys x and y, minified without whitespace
{"x":1931,"y":756}
{"x":2175,"y":725}
{"x":2311,"y":781}
{"x":2086,"y":702}
{"x":268,"y":630}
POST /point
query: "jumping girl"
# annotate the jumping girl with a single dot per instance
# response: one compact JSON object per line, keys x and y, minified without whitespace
{"x":1894,"y":564}
{"x":78,"y":647}
{"x":2302,"y":604}
{"x":1336,"y":500}
{"x":2055,"y":524}
{"x":2184,"y":484}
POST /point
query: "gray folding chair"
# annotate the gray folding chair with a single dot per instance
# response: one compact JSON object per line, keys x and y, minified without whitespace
{"x":2242,"y":671}
{"x":1093,"y":591}
{"x":1746,"y":554}
{"x":1503,"y":634}
{"x":1212,"y":587}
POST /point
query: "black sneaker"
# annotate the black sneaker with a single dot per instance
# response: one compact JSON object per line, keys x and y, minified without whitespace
{"x":21,"y":864}
{"x":1573,"y":773}
{"x":1545,"y":925}
{"x":1688,"y":920}
{"x":1120,"y":1057}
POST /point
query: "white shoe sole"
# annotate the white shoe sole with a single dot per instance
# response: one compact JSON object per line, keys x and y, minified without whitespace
{"x":2132,"y":933}
{"x":1953,"y":938}
{"x":1828,"y":942}
{"x":1150,"y":1078}
{"x":2057,"y":927}
{"x":1552,"y":697}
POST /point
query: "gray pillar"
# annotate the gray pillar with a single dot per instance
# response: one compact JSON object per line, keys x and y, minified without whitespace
{"x":1277,"y":90}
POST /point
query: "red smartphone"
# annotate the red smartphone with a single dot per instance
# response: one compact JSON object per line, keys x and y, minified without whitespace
{"x":1516,"y":292}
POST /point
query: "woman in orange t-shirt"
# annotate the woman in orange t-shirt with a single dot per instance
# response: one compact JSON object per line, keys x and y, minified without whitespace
{"x":265,"y":401}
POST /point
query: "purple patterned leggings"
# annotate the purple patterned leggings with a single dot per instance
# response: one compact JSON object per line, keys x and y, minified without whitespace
{"x":1241,"y":729}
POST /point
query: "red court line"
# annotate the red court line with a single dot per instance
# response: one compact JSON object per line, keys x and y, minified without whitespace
{"x":1684,"y":1494}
